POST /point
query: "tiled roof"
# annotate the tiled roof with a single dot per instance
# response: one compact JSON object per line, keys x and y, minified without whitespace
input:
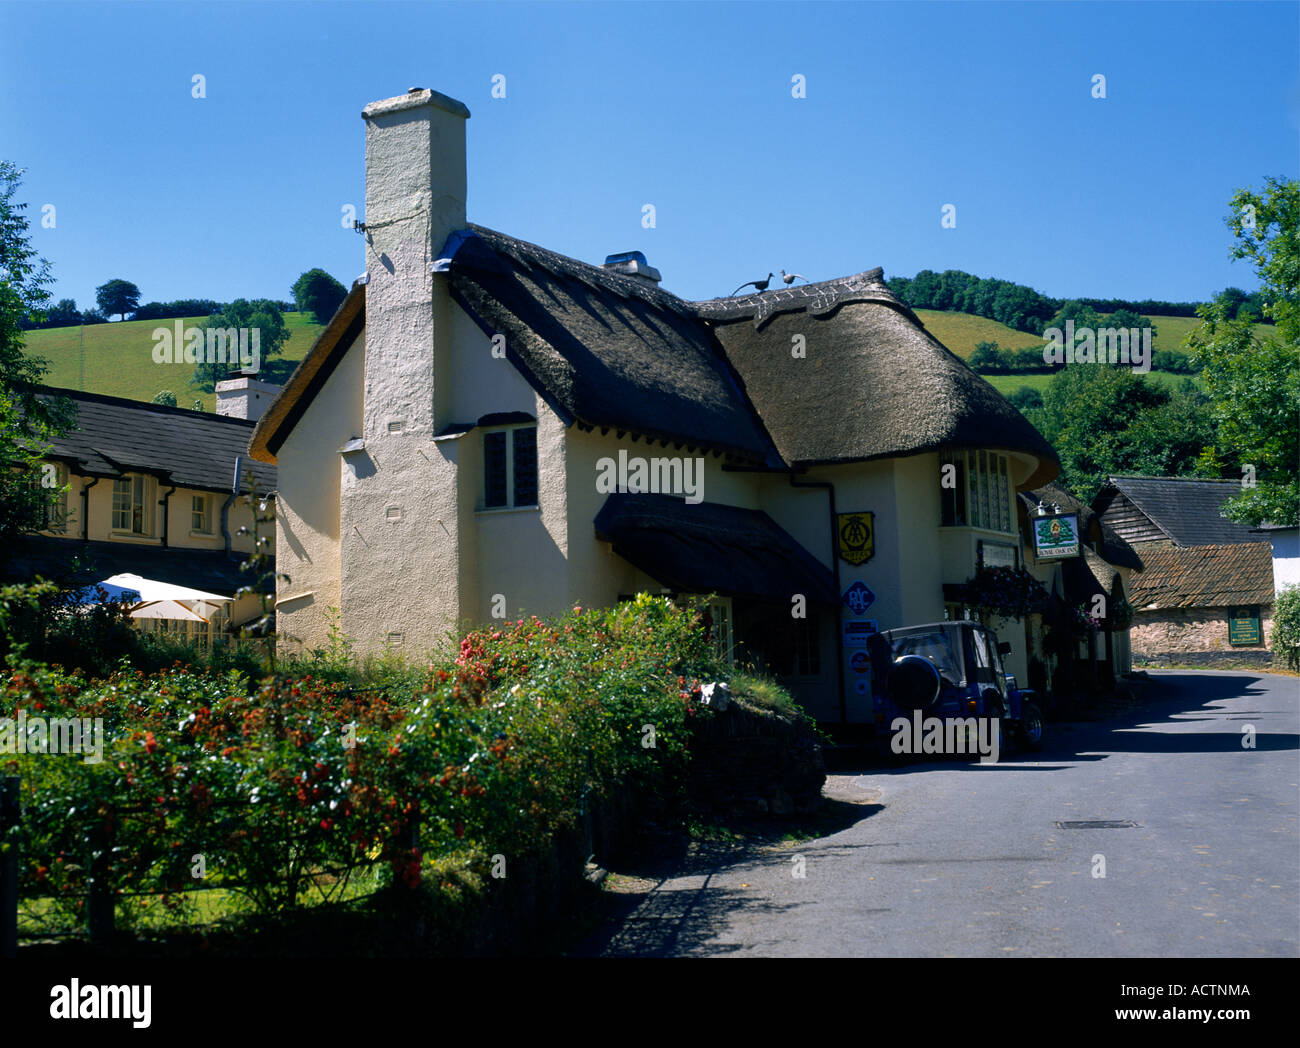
{"x":1186,"y":509}
{"x":191,"y":449}
{"x":1204,"y":576}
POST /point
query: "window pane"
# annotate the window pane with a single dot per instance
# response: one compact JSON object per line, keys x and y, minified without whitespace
{"x":525,"y":466}
{"x":122,"y":504}
{"x":1007,"y":498}
{"x":494,"y":463}
{"x":973,"y":486}
{"x":986,"y":519}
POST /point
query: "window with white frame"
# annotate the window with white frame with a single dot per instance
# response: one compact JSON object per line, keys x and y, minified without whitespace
{"x":510,"y":467}
{"x":55,"y":516}
{"x":133,"y":497}
{"x":200,"y":514}
{"x":976,"y":491}
{"x":720,"y":630}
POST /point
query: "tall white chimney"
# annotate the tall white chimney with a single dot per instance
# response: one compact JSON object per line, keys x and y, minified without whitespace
{"x":400,"y":496}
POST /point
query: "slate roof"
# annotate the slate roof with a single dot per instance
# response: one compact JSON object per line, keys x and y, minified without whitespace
{"x":605,"y":349}
{"x":708,"y":547}
{"x":1111,"y":547}
{"x":1185,"y":509}
{"x":192,"y":449}
{"x":210,"y":570}
{"x":1204,"y":576}
{"x":873,"y":382}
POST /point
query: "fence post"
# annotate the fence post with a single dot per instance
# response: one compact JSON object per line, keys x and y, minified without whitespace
{"x":99,"y":896}
{"x":9,"y":819}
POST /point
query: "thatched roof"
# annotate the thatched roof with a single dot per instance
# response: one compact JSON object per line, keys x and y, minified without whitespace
{"x":708,"y":547}
{"x":873,"y":384}
{"x":193,"y":449}
{"x":1204,"y":576}
{"x":1096,"y":533}
{"x":605,"y":350}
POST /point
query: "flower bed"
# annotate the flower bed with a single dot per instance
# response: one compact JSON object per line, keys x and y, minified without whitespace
{"x":297,"y":786}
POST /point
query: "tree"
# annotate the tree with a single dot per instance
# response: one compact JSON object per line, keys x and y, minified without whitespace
{"x":26,"y":420}
{"x":318,"y":293}
{"x":117,"y":296}
{"x":1086,"y":415}
{"x":256,"y":325}
{"x":1025,"y":398}
{"x":164,"y":396}
{"x":63,"y":313}
{"x":1254,"y":382}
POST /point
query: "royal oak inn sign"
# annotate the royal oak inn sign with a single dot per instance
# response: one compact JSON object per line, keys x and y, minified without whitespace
{"x":1056,"y":536}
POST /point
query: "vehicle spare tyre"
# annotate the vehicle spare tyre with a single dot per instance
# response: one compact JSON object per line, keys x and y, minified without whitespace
{"x":913,"y":682}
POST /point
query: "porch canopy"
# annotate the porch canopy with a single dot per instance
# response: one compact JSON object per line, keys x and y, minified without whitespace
{"x":166,"y":609}
{"x":711,"y":548}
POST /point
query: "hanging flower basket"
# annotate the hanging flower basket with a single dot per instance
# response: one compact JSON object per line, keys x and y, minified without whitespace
{"x":1009,"y":593}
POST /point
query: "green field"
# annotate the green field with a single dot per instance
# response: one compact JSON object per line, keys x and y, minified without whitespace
{"x":118,"y":359}
{"x":1005,"y":384}
{"x":962,"y":332}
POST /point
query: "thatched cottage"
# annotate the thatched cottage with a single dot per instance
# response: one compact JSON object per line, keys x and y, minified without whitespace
{"x":490,"y":429}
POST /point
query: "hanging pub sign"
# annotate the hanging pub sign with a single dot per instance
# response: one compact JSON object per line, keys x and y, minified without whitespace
{"x":1243,"y":627}
{"x":857,"y":537}
{"x":1056,"y":536}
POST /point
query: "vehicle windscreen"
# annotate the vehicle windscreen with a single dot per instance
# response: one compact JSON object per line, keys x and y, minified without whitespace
{"x":933,"y":646}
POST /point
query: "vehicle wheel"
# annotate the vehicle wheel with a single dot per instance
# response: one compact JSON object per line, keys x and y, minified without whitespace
{"x":1030,"y":731}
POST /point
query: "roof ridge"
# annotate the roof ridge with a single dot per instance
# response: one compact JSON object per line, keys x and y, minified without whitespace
{"x":108,"y":398}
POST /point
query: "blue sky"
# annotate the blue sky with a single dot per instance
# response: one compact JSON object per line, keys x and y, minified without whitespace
{"x":687,"y":106}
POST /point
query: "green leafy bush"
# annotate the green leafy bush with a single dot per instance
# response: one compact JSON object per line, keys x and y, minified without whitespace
{"x":1286,"y":626}
{"x":299,"y":782}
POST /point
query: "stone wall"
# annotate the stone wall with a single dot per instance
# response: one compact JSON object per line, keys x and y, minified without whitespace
{"x":1194,"y":636}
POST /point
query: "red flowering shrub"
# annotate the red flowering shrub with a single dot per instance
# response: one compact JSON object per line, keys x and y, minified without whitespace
{"x":298,"y":780}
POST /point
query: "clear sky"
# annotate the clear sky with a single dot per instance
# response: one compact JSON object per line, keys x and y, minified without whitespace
{"x":686,"y":106}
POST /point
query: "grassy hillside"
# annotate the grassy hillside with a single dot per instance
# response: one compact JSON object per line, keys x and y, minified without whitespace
{"x":962,"y":332}
{"x":119,"y":359}
{"x":1005,"y":384}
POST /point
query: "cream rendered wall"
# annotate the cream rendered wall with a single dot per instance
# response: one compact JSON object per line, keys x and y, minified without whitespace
{"x":179,"y":535}
{"x":311,"y":475}
{"x":596,"y":575}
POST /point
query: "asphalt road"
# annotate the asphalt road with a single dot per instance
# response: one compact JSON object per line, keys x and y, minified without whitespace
{"x":957,"y":859}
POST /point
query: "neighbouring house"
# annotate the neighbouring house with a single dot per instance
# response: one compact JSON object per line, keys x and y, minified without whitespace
{"x":150,"y":507}
{"x":1207,"y":594}
{"x":1204,"y":605}
{"x":487,"y":429}
{"x":1082,"y":638}
{"x":1284,"y":540}
{"x":1178,"y":511}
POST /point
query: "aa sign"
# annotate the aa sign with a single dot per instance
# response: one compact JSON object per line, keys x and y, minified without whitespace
{"x":857,"y":537}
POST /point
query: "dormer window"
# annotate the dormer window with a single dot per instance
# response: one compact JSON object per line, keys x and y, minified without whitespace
{"x":510,"y":467}
{"x":133,"y":499}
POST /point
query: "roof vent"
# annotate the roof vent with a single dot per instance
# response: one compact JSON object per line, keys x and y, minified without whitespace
{"x":633,"y":264}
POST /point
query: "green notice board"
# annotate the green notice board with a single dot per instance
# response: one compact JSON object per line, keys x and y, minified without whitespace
{"x":1243,"y":627}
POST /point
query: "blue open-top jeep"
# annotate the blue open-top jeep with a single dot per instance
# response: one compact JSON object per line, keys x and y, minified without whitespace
{"x":950,"y":670}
